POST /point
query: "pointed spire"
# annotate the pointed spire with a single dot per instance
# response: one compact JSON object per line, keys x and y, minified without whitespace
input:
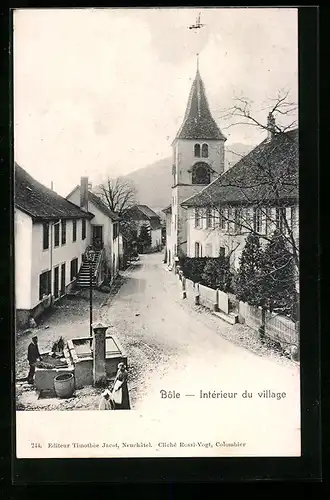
{"x":198,"y":122}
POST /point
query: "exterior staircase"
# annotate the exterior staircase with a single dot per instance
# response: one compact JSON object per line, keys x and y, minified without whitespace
{"x":83,"y":280}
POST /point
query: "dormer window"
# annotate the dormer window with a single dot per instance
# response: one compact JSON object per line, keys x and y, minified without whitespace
{"x":201,"y":173}
{"x":197,"y":151}
{"x":205,"y":151}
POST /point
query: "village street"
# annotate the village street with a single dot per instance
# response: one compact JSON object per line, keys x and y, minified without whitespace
{"x":171,"y":344}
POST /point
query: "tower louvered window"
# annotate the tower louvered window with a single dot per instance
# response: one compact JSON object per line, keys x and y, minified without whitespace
{"x":197,"y":150}
{"x":205,"y":151}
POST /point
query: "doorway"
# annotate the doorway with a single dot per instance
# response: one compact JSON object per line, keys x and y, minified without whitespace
{"x":62,"y":280}
{"x":98,"y":237}
{"x":56,"y":282}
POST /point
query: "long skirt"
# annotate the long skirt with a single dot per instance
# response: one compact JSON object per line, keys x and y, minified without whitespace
{"x":125,"y":404}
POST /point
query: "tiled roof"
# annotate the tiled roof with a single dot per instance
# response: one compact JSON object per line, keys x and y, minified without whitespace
{"x":96,"y":200}
{"x":40,"y":202}
{"x":268,"y":173}
{"x":155,"y":224}
{"x":167,"y":209}
{"x":146,"y":211}
{"x":198,"y":122}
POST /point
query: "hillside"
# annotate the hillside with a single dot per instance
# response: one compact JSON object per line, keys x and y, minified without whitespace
{"x":153,"y":183}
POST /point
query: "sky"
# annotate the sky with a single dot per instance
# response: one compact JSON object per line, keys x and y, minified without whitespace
{"x":103,"y":91}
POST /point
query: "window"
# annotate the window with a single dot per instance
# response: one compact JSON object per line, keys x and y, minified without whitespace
{"x":205,"y":151}
{"x":209,"y":218}
{"x":73,"y":269}
{"x":44,"y":284}
{"x":197,"y":249}
{"x":83,"y":229}
{"x":201,"y":173}
{"x":56,"y":234}
{"x":197,"y":217}
{"x":208,"y":250}
{"x":238,"y":220}
{"x":229,"y":219}
{"x":293,"y":218}
{"x":222,"y":251}
{"x":63,"y":232}
{"x":257,"y":220}
{"x":197,"y":150}
{"x":222,"y":219}
{"x":45,"y":236}
{"x":267,"y":217}
{"x":74,"y":230}
{"x":115,"y":231}
{"x":280,"y":214}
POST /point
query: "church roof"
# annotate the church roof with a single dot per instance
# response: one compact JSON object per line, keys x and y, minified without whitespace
{"x":198,"y":122}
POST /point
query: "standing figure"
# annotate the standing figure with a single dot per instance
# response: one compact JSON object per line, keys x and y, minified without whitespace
{"x":33,"y":357}
{"x":106,"y":402}
{"x":120,"y":390}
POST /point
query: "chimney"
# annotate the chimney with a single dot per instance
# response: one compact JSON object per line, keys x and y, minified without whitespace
{"x":271,"y":125}
{"x":84,"y":193}
{"x":52,"y":186}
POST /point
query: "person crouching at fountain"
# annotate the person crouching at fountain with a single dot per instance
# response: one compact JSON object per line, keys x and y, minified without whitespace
{"x":120,"y":390}
{"x":106,"y":402}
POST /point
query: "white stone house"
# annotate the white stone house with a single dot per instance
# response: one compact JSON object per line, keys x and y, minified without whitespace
{"x":104,"y":226}
{"x":259,"y":193}
{"x":51,"y":236}
{"x":198,"y":159}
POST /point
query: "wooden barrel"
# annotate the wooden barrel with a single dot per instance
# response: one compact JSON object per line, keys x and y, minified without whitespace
{"x":64,"y":385}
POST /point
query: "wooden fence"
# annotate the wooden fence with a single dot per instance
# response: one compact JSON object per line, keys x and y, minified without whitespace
{"x":277,"y":328}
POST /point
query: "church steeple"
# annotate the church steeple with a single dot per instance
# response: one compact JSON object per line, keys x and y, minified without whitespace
{"x":198,"y":122}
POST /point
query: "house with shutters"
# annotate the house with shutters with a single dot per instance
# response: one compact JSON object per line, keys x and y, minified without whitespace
{"x":143,"y":215}
{"x":259,"y":194}
{"x":51,"y":237}
{"x":198,"y":159}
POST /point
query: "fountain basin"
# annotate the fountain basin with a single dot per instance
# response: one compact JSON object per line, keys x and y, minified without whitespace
{"x":44,"y":377}
{"x":82,"y":358}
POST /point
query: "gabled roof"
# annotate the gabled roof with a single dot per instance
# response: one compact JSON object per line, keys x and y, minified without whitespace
{"x":40,"y":202}
{"x":96,"y":200}
{"x":145,"y":211}
{"x":168,"y":209}
{"x":268,"y":173}
{"x":93,"y":198}
{"x":198,"y":122}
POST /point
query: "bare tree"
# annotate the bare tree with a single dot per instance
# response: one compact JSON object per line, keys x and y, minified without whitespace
{"x":118,"y":194}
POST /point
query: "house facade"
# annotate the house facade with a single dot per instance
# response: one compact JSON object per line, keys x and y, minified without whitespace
{"x":104,"y":226}
{"x":51,"y":236}
{"x":198,"y":159}
{"x":259,"y":194}
{"x":142,"y":215}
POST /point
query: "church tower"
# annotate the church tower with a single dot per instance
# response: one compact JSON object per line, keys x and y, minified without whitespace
{"x":198,"y":159}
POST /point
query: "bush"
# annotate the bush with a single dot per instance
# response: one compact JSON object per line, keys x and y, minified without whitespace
{"x":193,"y":267}
{"x":216,"y":274}
{"x":213,"y":272}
